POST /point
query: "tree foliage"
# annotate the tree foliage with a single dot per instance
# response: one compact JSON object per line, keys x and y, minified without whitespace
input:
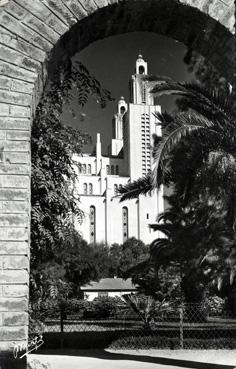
{"x":54,"y":204}
{"x":127,"y":255}
{"x":203,"y":71}
{"x":70,"y":267}
{"x":133,"y":251}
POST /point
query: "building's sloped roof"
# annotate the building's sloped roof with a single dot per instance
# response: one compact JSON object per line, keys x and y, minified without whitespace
{"x":110,"y":284}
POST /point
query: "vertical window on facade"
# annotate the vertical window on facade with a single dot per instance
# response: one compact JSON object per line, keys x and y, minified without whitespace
{"x":117,"y":169}
{"x":108,"y":169}
{"x":89,"y":169}
{"x":92,"y":227}
{"x":112,"y":169}
{"x":90,"y":188}
{"x":144,"y":92}
{"x":125,"y":223}
{"x":115,"y":189}
{"x":144,"y":95}
{"x":85,"y":188}
{"x":145,"y":138}
{"x":84,"y":168}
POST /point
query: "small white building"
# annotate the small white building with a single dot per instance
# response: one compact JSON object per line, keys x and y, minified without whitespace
{"x":129,"y":158}
{"x":108,"y":287}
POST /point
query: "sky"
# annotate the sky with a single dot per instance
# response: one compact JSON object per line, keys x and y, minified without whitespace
{"x":112,"y":62}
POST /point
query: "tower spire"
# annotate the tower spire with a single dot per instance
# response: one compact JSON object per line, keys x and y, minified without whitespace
{"x":141,"y":65}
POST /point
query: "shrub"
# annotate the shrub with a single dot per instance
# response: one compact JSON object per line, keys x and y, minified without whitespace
{"x":215,"y":305}
{"x":102,"y":307}
{"x":145,"y":342}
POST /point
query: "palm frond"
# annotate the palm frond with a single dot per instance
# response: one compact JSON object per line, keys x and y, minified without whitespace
{"x":164,"y":118}
{"x":157,"y":78}
{"x":134,"y":189}
{"x":221,"y":100}
{"x":166,"y":228}
{"x":218,"y":101}
{"x":169,"y":215}
{"x":160,"y":249}
{"x":168,"y":143}
{"x":170,"y":88}
{"x":184,"y":126}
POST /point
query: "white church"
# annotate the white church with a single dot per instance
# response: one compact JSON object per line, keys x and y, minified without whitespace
{"x":106,"y":219}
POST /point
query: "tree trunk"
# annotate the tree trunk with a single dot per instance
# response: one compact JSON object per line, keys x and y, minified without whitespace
{"x":193,"y":291}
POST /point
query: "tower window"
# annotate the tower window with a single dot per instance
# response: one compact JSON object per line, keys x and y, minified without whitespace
{"x":85,"y":189}
{"x":147,"y":216}
{"x":122,"y":110}
{"x":125,"y":223}
{"x":90,"y":188}
{"x":117,"y":169}
{"x":112,"y":169}
{"x":141,"y":69}
{"x":89,"y":169}
{"x":108,"y":169}
{"x":92,"y":228}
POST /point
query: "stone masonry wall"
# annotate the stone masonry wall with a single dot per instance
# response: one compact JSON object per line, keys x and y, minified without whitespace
{"x":29,"y":30}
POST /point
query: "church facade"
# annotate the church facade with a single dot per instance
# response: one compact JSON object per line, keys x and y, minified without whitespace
{"x":106,"y":219}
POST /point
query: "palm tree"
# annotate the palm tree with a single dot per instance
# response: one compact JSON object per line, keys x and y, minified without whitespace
{"x":197,"y":156}
{"x":145,"y":307}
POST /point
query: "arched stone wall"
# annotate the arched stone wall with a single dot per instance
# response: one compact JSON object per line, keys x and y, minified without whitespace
{"x":29,"y":32}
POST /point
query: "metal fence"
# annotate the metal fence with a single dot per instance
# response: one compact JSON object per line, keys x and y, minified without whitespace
{"x":187,"y":326}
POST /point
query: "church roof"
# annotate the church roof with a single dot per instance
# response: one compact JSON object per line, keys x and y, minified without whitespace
{"x":110,"y":284}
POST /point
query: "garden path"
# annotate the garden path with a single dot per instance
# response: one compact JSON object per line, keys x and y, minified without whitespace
{"x":140,"y":359}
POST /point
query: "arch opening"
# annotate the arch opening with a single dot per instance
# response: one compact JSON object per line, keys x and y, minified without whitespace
{"x":26,"y":67}
{"x":141,"y":70}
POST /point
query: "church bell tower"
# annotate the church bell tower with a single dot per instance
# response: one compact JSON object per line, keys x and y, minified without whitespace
{"x":142,"y":123}
{"x":139,"y":85}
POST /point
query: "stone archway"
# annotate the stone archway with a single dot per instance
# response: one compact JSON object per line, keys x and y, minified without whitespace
{"x":29,"y":33}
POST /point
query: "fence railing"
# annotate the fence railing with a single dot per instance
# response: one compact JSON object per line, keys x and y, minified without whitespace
{"x":188,"y":326}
